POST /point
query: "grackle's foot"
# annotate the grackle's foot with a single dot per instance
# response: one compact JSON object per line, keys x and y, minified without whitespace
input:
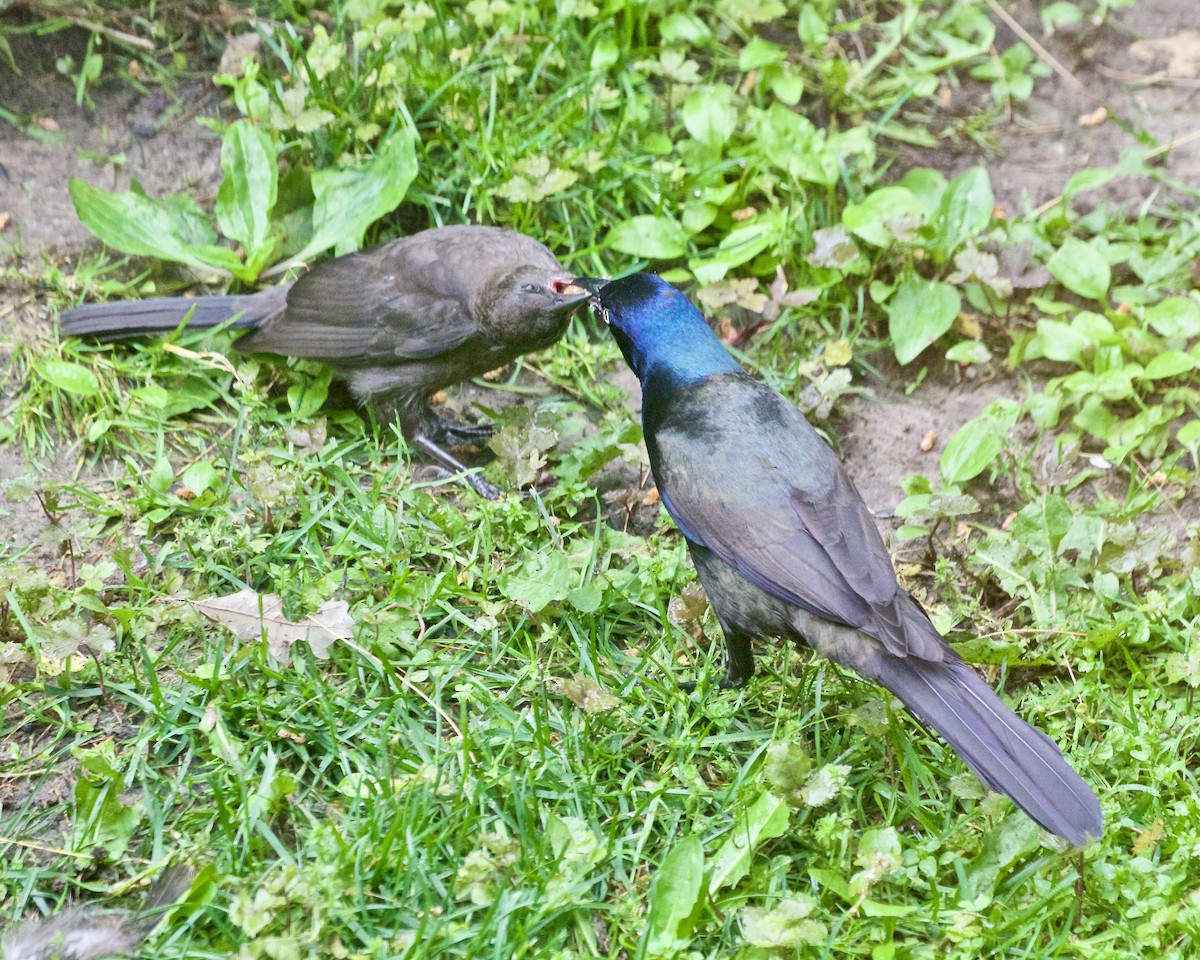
{"x":726,"y":683}
{"x":734,"y":679}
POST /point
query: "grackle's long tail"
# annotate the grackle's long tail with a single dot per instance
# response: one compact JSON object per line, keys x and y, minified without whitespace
{"x":1003,"y":750}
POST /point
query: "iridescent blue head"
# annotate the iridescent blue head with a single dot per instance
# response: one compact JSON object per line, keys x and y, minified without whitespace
{"x":658,"y":329}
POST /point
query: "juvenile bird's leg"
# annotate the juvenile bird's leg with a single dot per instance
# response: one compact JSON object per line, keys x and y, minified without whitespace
{"x":417,"y":417}
{"x":429,"y":433}
{"x":450,"y":462}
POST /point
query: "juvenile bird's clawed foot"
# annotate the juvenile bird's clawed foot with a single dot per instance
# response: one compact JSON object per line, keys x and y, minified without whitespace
{"x":460,"y":434}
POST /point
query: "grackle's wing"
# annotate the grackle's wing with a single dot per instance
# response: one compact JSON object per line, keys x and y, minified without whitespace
{"x":743,"y":474}
{"x":411,"y":299}
{"x":783,"y":513}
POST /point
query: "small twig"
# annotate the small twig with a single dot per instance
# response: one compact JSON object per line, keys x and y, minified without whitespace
{"x":1037,"y":130}
{"x":1172,"y":144}
{"x":1043,"y":54}
{"x":50,"y":11}
{"x":1161,"y":78}
{"x":527,"y":364}
{"x":100,"y":680}
{"x":45,"y":849}
{"x":1030,"y":630}
{"x":120,"y":35}
{"x":1079,"y":890}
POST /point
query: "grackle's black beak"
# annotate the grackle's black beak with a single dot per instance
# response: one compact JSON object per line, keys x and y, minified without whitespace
{"x":590,"y":284}
{"x":593,"y":285}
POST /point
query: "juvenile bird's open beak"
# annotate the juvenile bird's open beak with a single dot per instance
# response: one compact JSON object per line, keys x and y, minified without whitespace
{"x":568,"y":294}
{"x":568,"y":288}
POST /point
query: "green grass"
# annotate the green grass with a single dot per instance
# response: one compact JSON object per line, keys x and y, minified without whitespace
{"x":453,"y":781}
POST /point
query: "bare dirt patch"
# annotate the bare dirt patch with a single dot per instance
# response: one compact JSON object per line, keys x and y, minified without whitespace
{"x":883,"y":433}
{"x":163,"y":148}
{"x":1149,"y":100}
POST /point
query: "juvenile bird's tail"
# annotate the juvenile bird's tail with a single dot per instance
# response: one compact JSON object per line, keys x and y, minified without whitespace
{"x":135,"y":318}
{"x":1003,"y":750}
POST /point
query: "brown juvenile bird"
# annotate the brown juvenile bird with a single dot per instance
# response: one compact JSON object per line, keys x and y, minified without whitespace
{"x":397,"y":322}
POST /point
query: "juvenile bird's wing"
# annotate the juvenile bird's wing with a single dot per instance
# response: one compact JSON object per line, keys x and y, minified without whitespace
{"x":783,"y":514}
{"x":405,"y":300}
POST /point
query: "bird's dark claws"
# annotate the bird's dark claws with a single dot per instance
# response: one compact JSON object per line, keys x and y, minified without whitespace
{"x":727,"y":682}
{"x":459,"y":434}
{"x":488,"y":491}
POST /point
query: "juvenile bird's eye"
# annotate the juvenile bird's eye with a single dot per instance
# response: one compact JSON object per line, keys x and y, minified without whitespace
{"x":531,"y":288}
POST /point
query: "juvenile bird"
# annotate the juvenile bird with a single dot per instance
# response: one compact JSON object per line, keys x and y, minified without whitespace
{"x":397,"y":322}
{"x":785,"y":547}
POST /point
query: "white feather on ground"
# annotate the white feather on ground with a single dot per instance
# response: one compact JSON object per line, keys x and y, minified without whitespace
{"x":87,"y":933}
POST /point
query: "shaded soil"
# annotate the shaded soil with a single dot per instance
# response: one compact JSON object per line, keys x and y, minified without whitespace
{"x":882,"y":434}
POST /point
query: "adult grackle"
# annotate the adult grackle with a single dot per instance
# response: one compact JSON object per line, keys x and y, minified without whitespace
{"x":397,"y":322}
{"x":785,"y":547}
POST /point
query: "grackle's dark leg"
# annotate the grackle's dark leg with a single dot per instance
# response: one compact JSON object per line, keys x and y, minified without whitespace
{"x":739,"y":666}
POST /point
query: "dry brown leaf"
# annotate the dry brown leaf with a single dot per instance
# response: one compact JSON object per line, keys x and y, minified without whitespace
{"x":251,"y":616}
{"x":1148,"y":839}
{"x":837,"y":353}
{"x":1182,"y":53}
{"x":969,"y":325}
{"x":687,"y":609}
{"x":310,"y":439}
{"x":583,"y":692}
{"x":237,"y":49}
{"x":209,"y":358}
